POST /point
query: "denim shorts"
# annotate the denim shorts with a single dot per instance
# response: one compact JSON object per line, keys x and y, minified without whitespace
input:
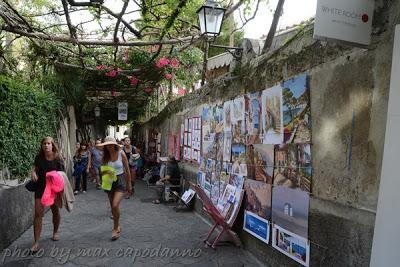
{"x":119,"y":185}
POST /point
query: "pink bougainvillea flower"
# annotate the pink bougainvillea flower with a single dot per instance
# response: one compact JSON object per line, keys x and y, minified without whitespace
{"x":148,"y":90}
{"x":134,"y":81}
{"x":113,"y":93}
{"x":101,"y":67}
{"x":174,"y":63}
{"x":168,"y":76}
{"x":162,"y":62}
{"x":181,"y":91}
{"x":112,"y":73}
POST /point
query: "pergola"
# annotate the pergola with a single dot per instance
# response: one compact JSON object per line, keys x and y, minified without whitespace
{"x":104,"y":42}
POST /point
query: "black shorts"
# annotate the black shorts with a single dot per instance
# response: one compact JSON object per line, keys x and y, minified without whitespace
{"x":39,"y":190}
{"x":119,"y":185}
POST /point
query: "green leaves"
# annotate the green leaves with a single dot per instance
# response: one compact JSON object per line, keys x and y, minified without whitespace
{"x":28,"y":114}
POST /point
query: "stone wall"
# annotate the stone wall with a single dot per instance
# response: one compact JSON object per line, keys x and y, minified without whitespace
{"x":16,"y":213}
{"x":349,"y":94}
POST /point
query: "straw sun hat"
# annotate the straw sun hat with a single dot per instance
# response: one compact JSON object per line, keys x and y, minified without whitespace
{"x":108,"y":141}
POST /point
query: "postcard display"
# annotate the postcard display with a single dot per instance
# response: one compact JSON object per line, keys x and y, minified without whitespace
{"x":261,"y":142}
{"x":192,"y":139}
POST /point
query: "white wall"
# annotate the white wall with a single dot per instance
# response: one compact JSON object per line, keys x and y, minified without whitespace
{"x":386,"y":236}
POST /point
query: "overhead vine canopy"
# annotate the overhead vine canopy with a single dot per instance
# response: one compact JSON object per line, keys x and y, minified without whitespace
{"x":117,"y":49}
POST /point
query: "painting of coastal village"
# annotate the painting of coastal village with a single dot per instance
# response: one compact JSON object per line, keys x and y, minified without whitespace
{"x":258,"y":198}
{"x":271,"y":109}
{"x":260,"y":162}
{"x":253,"y":118}
{"x":296,"y":110}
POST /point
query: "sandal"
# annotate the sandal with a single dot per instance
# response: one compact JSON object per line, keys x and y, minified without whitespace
{"x":34,"y":249}
{"x":56,"y":237}
{"x":115,"y":234}
{"x":156,"y":201}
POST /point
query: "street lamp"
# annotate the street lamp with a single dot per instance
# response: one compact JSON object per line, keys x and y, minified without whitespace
{"x":97,"y":111}
{"x":210,"y":20}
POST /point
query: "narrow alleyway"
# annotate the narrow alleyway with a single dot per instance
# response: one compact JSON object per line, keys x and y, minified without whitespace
{"x":150,"y":234}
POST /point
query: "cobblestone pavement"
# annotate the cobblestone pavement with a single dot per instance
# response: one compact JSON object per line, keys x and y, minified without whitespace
{"x":151,"y":235}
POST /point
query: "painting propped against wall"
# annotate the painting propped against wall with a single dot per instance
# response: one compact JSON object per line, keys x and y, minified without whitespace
{"x":296,"y":110}
{"x":253,"y":118}
{"x":272,"y":115}
{"x":292,"y":245}
{"x":290,"y":209}
{"x":256,"y":226}
{"x":260,"y":162}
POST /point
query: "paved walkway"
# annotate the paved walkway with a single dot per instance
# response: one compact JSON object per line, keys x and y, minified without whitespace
{"x":151,"y":235}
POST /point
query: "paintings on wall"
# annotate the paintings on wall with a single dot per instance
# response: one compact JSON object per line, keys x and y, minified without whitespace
{"x":260,"y":141}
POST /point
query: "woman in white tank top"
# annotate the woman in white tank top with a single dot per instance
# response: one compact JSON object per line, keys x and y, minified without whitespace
{"x":113,"y":156}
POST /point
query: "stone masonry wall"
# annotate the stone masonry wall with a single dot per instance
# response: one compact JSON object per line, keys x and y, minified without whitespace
{"x":349,"y":94}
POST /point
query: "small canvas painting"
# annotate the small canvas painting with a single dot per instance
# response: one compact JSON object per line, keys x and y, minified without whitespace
{"x":290,"y":209}
{"x":296,"y":110}
{"x":227,"y":146}
{"x":286,"y":166}
{"x":227,"y":116}
{"x":256,"y":226}
{"x":272,"y":115}
{"x":238,"y":157}
{"x":253,"y":118}
{"x":292,"y":245}
{"x":258,"y":198}
{"x":260,"y":162}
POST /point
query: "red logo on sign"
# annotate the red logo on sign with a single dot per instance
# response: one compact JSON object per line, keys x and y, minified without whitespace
{"x":365,"y":18}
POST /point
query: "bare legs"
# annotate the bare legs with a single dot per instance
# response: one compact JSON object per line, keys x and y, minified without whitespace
{"x":37,"y":222}
{"x":115,"y":199}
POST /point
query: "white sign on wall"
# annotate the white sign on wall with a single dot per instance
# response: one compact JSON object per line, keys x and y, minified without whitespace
{"x":122,"y":111}
{"x":345,"y":20}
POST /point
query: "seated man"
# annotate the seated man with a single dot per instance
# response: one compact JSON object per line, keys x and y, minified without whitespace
{"x":172,"y":177}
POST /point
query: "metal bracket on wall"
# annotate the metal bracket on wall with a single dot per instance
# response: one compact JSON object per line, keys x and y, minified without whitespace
{"x":236,"y":53}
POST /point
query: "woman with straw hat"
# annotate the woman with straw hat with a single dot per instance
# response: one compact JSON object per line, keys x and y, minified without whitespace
{"x":113,"y":156}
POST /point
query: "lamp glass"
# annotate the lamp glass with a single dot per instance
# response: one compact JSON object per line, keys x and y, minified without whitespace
{"x":210,"y":19}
